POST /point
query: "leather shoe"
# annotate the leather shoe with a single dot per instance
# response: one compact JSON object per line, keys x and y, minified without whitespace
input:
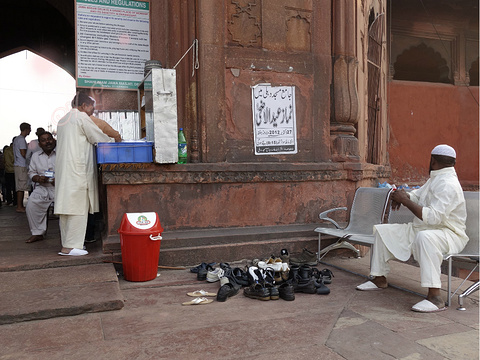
{"x":203,"y":265}
{"x":203,"y":271}
{"x":227,"y":290}
{"x":322,"y":289}
{"x":257,"y":291}
{"x":273,"y":290}
{"x":304,"y":286}
{"x":286,"y":292}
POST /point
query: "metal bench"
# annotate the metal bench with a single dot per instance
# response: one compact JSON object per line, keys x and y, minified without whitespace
{"x":368,"y":209}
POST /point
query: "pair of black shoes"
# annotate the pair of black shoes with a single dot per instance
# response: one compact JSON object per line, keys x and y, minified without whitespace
{"x":308,"y":280}
{"x":262,"y":284}
{"x":258,"y":291}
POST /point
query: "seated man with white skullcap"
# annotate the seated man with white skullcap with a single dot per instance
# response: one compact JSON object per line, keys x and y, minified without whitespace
{"x":437,"y":229}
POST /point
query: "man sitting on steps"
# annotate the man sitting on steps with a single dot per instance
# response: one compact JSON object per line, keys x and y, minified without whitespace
{"x":437,"y":229}
{"x":41,"y":172}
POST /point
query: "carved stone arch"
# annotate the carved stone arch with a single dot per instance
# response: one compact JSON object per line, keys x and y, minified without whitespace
{"x":473,"y":72}
{"x":422,"y":63}
{"x":45,"y":27}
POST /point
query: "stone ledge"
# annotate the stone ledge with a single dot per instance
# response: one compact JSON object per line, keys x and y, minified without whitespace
{"x":237,"y":173}
{"x":66,"y":291}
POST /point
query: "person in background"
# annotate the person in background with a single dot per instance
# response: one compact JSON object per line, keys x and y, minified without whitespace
{"x":437,"y":229}
{"x":76,"y":187}
{"x":10,"y":193}
{"x":42,"y":173}
{"x":2,"y":177}
{"x":33,"y":146}
{"x":20,"y":165}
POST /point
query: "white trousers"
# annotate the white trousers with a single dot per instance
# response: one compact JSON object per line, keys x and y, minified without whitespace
{"x":427,"y":247}
{"x":37,"y":206}
{"x":73,"y":228}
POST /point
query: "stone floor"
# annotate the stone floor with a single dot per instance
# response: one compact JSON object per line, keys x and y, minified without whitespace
{"x":346,"y":324}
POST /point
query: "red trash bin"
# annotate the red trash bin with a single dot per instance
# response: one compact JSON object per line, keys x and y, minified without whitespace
{"x":140,"y":237}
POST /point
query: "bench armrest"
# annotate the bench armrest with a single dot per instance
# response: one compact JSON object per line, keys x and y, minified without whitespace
{"x":324,"y":215}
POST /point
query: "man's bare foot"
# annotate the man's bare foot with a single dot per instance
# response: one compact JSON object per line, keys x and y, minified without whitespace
{"x":66,"y":250}
{"x":20,"y":210}
{"x":380,"y":281}
{"x":34,"y":238}
{"x":436,"y":300}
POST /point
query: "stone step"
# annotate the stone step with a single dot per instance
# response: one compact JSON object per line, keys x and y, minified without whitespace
{"x":53,"y":292}
{"x":190,"y":247}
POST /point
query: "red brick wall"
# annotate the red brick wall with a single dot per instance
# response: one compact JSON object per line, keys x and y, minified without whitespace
{"x":423,"y":115}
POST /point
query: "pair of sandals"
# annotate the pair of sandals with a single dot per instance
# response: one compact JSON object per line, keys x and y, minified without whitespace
{"x":200,"y":298}
{"x":424,"y":306}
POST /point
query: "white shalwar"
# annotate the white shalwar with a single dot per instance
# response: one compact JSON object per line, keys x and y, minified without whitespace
{"x":442,"y":230}
{"x":43,"y":193}
{"x":76,"y":188}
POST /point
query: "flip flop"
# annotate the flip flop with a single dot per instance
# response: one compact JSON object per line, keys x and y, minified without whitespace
{"x":426,"y":306}
{"x":198,"y":301}
{"x":368,"y":286}
{"x":200,"y":293}
{"x":74,"y":252}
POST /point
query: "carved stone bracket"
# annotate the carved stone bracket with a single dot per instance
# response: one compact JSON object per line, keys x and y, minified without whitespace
{"x":245,"y":24}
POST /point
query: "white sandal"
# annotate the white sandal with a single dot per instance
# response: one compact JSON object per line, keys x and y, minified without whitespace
{"x":198,"y":301}
{"x":201,"y":293}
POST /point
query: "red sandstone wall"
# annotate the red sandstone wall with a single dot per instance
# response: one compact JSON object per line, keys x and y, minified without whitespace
{"x":189,"y":206}
{"x":423,"y":115}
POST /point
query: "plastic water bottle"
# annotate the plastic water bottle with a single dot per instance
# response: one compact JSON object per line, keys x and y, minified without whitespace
{"x":182,"y":147}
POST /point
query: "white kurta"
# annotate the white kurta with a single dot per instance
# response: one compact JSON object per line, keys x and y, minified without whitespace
{"x":43,"y":194}
{"x":75,"y":168}
{"x":76,"y":189}
{"x":442,"y":230}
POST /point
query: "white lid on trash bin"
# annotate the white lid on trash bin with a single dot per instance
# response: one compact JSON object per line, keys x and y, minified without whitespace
{"x":142,"y":220}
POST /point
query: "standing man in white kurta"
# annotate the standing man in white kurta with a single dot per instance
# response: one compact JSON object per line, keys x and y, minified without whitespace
{"x":76,"y":189}
{"x":437,"y":229}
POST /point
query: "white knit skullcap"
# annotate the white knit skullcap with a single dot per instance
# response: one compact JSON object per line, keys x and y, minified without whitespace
{"x":444,"y":150}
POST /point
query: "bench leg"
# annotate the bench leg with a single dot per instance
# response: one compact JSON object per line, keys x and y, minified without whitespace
{"x":467,"y":292}
{"x":471,"y":289}
{"x":340,"y":244}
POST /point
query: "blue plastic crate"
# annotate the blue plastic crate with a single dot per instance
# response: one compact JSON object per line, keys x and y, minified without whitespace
{"x":125,"y":152}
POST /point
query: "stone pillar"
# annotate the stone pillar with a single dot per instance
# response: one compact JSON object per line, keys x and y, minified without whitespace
{"x":344,"y":145}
